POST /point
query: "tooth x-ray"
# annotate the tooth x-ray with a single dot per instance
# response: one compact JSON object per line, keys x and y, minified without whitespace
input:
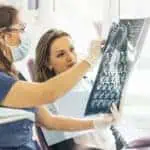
{"x":122,"y":49}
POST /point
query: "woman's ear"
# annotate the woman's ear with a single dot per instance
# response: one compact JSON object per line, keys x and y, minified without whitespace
{"x":7,"y":38}
{"x":50,"y":67}
{"x":3,"y":38}
{"x":48,"y":64}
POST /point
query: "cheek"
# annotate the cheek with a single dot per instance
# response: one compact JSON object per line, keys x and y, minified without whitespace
{"x":58,"y":65}
{"x":15,"y":39}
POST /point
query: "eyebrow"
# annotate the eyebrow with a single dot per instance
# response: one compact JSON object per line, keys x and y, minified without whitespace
{"x":59,"y":50}
{"x":62,"y":50}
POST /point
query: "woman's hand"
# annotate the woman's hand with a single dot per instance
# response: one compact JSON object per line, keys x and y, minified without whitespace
{"x":105,"y":120}
{"x":95,"y":51}
{"x":115,"y":113}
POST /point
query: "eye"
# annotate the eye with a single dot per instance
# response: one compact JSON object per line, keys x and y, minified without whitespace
{"x":60,"y":54}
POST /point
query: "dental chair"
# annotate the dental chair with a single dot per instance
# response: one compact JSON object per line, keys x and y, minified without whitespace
{"x":139,"y":144}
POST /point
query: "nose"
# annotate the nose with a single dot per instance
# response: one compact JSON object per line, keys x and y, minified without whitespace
{"x":70,"y":57}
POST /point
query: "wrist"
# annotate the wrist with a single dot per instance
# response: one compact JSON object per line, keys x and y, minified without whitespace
{"x":87,"y":62}
{"x":92,"y":124}
{"x":99,"y":124}
{"x":91,"y":60}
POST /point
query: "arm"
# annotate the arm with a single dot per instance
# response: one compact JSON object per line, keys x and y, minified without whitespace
{"x":54,"y":122}
{"x":50,"y":121}
{"x":25,"y":94}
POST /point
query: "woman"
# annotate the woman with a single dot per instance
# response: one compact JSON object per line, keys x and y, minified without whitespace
{"x":27,"y":98}
{"x":55,"y":54}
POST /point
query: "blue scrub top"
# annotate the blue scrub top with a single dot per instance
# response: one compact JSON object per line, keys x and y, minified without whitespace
{"x":18,"y":134}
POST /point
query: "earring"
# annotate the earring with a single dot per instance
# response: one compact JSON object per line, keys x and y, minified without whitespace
{"x":50,"y":68}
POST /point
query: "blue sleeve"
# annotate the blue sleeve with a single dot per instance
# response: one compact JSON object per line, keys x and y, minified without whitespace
{"x":6,"y":83}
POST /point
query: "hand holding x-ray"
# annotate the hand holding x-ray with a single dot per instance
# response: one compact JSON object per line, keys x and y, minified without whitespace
{"x":124,"y":42}
{"x":106,"y":120}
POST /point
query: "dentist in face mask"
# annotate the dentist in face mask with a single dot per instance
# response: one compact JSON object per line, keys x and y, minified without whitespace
{"x":17,"y":53}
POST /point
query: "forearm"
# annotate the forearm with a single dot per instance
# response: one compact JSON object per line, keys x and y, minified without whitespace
{"x":53,"y":122}
{"x":69,"y":124}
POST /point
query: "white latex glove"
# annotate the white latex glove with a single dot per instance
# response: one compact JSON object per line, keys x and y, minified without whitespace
{"x":116,"y":114}
{"x":102,"y":125}
{"x":105,"y":120}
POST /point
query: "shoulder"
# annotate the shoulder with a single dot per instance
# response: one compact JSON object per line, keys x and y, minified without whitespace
{"x":6,"y":83}
{"x":6,"y":79}
{"x":3,"y":75}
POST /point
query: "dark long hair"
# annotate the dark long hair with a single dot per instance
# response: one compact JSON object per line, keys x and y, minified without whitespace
{"x":8,"y":15}
{"x":43,"y":49}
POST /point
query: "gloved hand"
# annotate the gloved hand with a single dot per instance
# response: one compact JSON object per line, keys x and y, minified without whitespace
{"x":116,"y":114}
{"x":95,"y":52}
{"x":105,"y":120}
{"x":102,"y":125}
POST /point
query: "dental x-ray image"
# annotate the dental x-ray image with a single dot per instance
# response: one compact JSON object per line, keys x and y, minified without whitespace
{"x":122,"y":49}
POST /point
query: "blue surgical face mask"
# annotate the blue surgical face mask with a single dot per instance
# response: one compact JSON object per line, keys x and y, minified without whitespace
{"x":22,"y":50}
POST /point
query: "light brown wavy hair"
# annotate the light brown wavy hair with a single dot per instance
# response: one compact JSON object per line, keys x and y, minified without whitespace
{"x":43,"y":51}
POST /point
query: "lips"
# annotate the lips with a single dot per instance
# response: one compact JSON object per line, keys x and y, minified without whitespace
{"x":70,"y":65}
